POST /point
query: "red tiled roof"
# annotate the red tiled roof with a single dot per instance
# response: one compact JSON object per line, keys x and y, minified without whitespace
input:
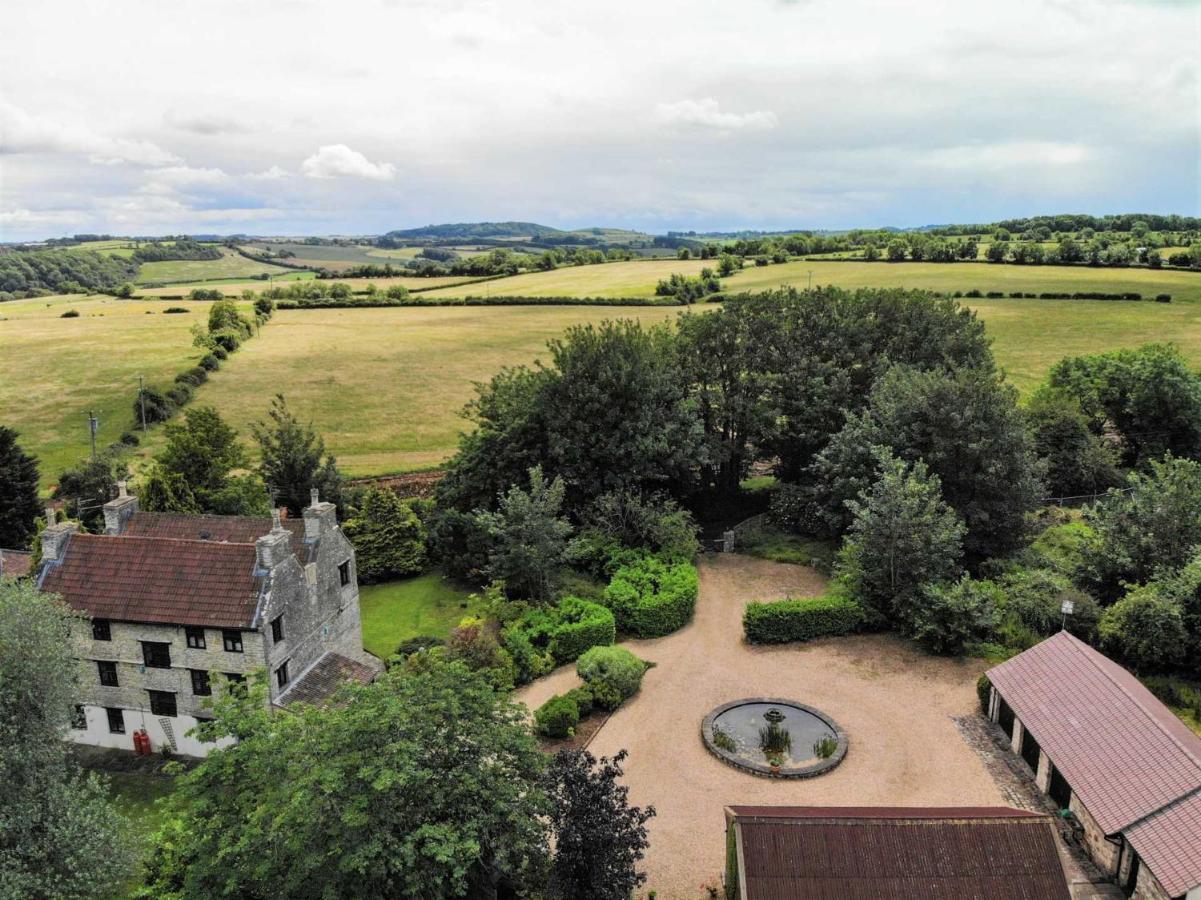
{"x":883,"y":812}
{"x":136,"y":579}
{"x":229,"y":529}
{"x":323,"y":679}
{"x":1123,"y":752}
{"x":15,"y":563}
{"x":1169,"y":842}
{"x":886,"y":853}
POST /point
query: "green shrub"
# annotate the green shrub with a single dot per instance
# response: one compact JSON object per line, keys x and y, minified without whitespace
{"x":651,"y":598}
{"x":801,"y":620}
{"x":583,"y":698}
{"x":174,"y":310}
{"x":416,"y":644}
{"x":581,"y":625}
{"x":70,"y":314}
{"x":195,"y":376}
{"x":180,"y":394}
{"x":557,"y":717}
{"x":611,"y":672}
{"x":529,"y":662}
{"x":220,"y":352}
{"x":984,"y":692}
{"x":210,"y":363}
{"x":158,"y":406}
{"x":227,"y":339}
{"x":954,"y":615}
{"x":129,"y":439}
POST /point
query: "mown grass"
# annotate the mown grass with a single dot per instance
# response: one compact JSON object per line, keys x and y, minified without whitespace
{"x":425,"y":606}
{"x":636,"y":278}
{"x":54,"y":370}
{"x":232,"y":287}
{"x":230,"y":265}
{"x":951,"y":277}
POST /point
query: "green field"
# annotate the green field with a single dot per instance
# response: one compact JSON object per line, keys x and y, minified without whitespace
{"x":951,"y":277}
{"x":234,"y":286}
{"x":230,"y":265}
{"x":636,"y":278}
{"x":326,"y":256}
{"x":56,"y":369}
{"x":425,"y":606}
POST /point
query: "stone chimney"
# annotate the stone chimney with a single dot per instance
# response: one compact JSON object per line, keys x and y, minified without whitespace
{"x":274,"y":547}
{"x":55,"y":537}
{"x":117,"y":512}
{"x":319,"y":518}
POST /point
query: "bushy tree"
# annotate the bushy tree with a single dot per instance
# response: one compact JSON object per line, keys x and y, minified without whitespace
{"x":951,"y":616}
{"x":388,"y":537}
{"x":426,"y":783}
{"x":965,"y":426}
{"x":1152,"y":526}
{"x":19,"y":504}
{"x":529,"y":538}
{"x":599,"y":837}
{"x":293,"y":459}
{"x":1149,"y":397}
{"x":88,"y":486}
{"x":59,"y":834}
{"x":1076,"y":460}
{"x":623,"y":522}
{"x":1145,"y":629}
{"x":194,"y":472}
{"x":903,"y":538}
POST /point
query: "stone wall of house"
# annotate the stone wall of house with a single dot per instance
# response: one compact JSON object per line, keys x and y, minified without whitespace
{"x":1103,"y":852}
{"x":1148,"y":886}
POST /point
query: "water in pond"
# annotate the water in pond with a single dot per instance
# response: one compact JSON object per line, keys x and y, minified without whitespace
{"x":758,"y":731}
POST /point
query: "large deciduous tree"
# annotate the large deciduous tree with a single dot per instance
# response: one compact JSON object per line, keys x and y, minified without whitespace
{"x":19,"y":498}
{"x":599,"y":836}
{"x":903,"y":538}
{"x":1149,"y":398}
{"x":426,"y":784}
{"x":965,"y":426}
{"x":529,"y":538}
{"x":1076,"y":460}
{"x":59,"y":834}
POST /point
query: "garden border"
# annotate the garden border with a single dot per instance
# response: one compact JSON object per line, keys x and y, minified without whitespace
{"x":762,"y":770}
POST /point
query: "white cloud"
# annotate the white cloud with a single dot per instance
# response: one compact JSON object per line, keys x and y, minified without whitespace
{"x":338,"y":160}
{"x":21,"y":132}
{"x":271,"y":174}
{"x":707,"y":113}
{"x":1008,"y":154}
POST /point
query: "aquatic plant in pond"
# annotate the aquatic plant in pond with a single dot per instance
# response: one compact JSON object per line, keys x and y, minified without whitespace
{"x":780,"y":738}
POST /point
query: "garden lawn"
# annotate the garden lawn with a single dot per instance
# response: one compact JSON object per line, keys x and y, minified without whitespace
{"x":395,"y":611}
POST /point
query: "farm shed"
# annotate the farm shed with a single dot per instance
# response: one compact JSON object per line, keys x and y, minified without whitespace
{"x":881,"y":853}
{"x":1101,"y":745}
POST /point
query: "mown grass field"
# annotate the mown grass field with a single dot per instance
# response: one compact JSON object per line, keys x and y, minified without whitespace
{"x":232,"y":287}
{"x":620,"y":279}
{"x":53,"y":370}
{"x":951,"y":277}
{"x":230,"y":265}
{"x":385,"y":386}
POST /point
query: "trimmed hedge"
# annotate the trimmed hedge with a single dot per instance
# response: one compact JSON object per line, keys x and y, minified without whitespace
{"x":613,"y":674}
{"x":557,"y":717}
{"x":800,"y":620}
{"x":581,"y":626}
{"x":359,"y":300}
{"x":651,"y":598}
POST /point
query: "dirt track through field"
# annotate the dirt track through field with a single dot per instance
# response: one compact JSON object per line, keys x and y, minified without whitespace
{"x":895,"y":703}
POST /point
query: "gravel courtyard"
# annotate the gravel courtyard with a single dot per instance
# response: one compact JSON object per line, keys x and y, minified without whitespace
{"x":895,"y":703}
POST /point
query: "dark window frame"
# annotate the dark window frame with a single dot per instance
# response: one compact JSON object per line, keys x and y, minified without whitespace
{"x":159,"y":703}
{"x":281,"y":675}
{"x":344,"y":573}
{"x":231,"y":639}
{"x":102,"y":630}
{"x":277,"y":629}
{"x":107,"y":670}
{"x":115,"y":712}
{"x":202,"y":685}
{"x":194,"y":637}
{"x":79,"y":718}
{"x":156,"y":654}
{"x":237,"y":682}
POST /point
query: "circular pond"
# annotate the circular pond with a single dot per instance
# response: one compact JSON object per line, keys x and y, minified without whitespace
{"x":776,"y":738}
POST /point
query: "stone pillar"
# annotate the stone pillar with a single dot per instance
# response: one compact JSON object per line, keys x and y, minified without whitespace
{"x":1018,"y":730}
{"x":1042,"y":778}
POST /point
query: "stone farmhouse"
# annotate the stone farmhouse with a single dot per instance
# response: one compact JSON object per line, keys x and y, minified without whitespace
{"x":1101,"y":745}
{"x":174,"y":601}
{"x":892,"y":853}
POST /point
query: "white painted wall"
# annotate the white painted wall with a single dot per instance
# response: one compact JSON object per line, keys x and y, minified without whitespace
{"x":186,"y":744}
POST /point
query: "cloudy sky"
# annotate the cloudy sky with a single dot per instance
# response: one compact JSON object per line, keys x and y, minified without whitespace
{"x":358,"y":116}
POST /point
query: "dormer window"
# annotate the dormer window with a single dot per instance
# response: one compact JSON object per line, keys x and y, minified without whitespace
{"x":101,"y":630}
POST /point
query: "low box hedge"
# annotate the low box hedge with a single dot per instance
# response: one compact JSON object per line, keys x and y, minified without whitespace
{"x":581,"y":625}
{"x":557,"y":717}
{"x":651,"y":597}
{"x":800,"y":620}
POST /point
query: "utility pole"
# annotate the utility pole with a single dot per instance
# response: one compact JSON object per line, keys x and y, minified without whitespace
{"x":93,"y":425}
{"x":142,"y":401}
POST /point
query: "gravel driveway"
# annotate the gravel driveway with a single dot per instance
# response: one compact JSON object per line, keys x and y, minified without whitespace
{"x":896,"y":704}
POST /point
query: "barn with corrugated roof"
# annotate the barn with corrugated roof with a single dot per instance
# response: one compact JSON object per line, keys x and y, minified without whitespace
{"x":1103,"y":747}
